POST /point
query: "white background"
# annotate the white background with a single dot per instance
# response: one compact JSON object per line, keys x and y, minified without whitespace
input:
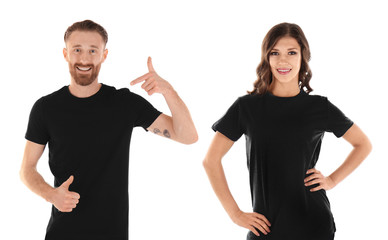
{"x":209,"y":51}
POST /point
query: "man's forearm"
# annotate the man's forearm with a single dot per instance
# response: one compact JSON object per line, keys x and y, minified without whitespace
{"x":181,"y":119}
{"x":35,"y":182}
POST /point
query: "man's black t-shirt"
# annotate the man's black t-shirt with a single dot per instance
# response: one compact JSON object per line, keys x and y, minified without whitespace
{"x":89,"y":138}
{"x":283,"y":140}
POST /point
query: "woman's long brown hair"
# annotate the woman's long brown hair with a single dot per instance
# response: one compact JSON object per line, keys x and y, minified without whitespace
{"x":264,"y":74}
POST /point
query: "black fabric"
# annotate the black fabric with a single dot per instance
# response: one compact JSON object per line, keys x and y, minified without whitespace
{"x":283,"y":140}
{"x":89,"y":138}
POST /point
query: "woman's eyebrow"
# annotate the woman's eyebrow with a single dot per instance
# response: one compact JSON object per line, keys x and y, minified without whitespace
{"x":274,"y":49}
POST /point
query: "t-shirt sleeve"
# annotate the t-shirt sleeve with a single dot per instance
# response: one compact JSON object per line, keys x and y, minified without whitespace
{"x":231,"y":124}
{"x":146,"y":113}
{"x":36,"y":128}
{"x":337,"y":122}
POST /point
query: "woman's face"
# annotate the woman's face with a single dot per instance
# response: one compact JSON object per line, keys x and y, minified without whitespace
{"x":285,"y":59}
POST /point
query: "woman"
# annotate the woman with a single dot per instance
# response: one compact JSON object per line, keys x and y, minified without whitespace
{"x":284,"y":127}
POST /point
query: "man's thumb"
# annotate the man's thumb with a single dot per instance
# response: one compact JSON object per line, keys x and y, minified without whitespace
{"x":67,"y":183}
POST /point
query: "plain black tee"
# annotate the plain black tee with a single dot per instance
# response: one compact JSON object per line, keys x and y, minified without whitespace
{"x":283,"y":140}
{"x":89,"y":138}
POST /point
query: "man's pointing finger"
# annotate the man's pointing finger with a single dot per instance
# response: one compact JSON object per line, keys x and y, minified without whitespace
{"x":140,"y":79}
{"x":149,"y":64}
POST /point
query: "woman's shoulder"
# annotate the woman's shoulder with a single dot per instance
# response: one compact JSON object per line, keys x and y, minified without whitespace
{"x":316,"y":99}
{"x":249,"y":98}
{"x":316,"y":96}
{"x":248,"y":102}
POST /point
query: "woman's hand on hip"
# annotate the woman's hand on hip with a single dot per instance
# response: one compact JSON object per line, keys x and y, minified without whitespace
{"x":252,"y":221}
{"x":317,"y":177}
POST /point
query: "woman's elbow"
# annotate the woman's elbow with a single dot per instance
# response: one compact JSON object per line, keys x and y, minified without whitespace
{"x":22,"y":174}
{"x":369,"y":146}
{"x":205,"y":163}
{"x":211,"y":164}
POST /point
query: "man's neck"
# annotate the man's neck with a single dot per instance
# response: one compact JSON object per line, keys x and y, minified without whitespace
{"x":84,"y":91}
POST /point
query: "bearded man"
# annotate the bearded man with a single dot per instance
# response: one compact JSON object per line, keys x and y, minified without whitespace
{"x":87,"y":126}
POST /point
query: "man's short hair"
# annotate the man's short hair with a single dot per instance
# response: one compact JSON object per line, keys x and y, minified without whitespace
{"x":86,"y":25}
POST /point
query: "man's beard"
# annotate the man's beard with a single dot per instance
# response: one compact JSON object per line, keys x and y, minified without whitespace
{"x":84,"y":79}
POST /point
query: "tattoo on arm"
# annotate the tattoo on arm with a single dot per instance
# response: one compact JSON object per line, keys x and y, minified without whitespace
{"x":166,"y":133}
{"x":156,"y":131}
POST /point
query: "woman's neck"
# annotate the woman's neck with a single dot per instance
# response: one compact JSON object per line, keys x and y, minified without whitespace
{"x":284,"y":89}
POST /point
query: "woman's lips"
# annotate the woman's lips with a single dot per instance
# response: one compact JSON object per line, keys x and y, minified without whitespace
{"x":283,"y":71}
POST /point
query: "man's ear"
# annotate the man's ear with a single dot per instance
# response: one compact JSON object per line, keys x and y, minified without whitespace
{"x":105,"y":54}
{"x":65,"y":54}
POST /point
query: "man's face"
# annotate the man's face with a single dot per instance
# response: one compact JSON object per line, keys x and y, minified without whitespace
{"x":85,"y":51}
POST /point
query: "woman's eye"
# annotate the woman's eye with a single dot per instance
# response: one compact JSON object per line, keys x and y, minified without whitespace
{"x":274,"y":53}
{"x":292,"y":53}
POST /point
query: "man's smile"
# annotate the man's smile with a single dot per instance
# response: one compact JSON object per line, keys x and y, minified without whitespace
{"x":83,"y":69}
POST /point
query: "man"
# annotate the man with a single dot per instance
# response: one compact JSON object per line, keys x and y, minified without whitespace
{"x":88,"y":127}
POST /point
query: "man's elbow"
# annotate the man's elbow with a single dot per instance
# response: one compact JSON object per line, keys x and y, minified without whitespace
{"x":187,"y":136}
{"x":190,"y":140}
{"x":194,"y":138}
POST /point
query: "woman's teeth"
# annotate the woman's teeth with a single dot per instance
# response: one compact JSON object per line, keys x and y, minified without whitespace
{"x":284,"y":71}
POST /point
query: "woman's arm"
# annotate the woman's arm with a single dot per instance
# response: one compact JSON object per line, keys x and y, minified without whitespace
{"x":361,"y":149}
{"x":213,"y":166}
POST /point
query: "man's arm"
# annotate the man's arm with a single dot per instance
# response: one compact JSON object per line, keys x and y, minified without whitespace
{"x":179,"y":126}
{"x":60,"y":197}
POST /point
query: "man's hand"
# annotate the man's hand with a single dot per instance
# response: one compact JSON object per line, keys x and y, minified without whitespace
{"x":153,"y":83}
{"x":252,"y":221}
{"x":63,"y":199}
{"x":179,"y":126}
{"x":317,"y":178}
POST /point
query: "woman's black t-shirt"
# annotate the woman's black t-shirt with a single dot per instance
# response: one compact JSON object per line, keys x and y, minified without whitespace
{"x":283,"y":140}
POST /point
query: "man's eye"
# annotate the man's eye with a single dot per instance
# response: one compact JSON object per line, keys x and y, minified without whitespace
{"x":92,"y":51}
{"x":77,"y":50}
{"x":274,"y":53}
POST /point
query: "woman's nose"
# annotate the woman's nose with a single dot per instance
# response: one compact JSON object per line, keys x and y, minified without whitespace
{"x":283,"y":58}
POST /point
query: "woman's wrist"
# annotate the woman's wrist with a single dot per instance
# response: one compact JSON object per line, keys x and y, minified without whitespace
{"x":234,"y":213}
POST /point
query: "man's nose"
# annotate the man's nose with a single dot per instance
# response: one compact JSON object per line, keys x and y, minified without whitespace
{"x":84,"y":58}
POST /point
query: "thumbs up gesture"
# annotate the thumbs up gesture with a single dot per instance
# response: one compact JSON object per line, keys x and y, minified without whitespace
{"x":63,"y":199}
{"x":153,"y":83}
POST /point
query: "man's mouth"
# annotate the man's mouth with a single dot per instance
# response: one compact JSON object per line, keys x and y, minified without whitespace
{"x":84,"y":69}
{"x":284,"y":71}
